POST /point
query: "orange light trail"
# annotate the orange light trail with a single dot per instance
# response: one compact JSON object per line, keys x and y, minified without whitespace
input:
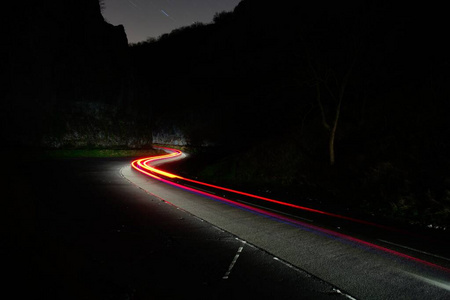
{"x":143,"y":165}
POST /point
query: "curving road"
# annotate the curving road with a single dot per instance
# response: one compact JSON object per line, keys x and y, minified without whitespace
{"x":99,"y":229}
{"x":376,"y":263}
{"x":78,"y":229}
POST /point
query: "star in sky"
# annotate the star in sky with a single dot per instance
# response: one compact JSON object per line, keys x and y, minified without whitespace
{"x":144,"y":19}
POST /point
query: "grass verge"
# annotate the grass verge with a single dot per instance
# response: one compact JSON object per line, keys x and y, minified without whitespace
{"x":99,"y":153}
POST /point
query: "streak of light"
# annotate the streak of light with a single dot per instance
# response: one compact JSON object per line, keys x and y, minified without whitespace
{"x":167,"y":15}
{"x":143,"y":165}
{"x":132,"y":3}
{"x":162,"y":10}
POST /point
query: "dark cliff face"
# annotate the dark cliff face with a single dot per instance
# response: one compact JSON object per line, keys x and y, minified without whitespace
{"x":251,"y":73}
{"x":268,"y":78}
{"x":58,"y":57}
{"x":56,"y":47}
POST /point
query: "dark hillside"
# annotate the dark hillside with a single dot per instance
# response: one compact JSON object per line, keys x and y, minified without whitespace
{"x":347,"y":99}
{"x":68,"y":76}
{"x":346,"y":102}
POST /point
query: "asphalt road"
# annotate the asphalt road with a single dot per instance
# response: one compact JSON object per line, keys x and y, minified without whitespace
{"x":363,"y":263}
{"x":85,"y":229}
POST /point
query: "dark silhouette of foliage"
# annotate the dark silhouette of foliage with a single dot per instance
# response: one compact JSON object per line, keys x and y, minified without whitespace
{"x":224,"y":17}
{"x":375,"y":73}
{"x":255,"y":75}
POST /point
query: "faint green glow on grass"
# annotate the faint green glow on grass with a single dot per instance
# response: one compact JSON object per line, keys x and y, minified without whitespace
{"x":99,"y":153}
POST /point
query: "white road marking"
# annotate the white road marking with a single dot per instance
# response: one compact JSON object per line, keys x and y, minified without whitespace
{"x":343,"y":294}
{"x":419,"y":251}
{"x":274,"y":210}
{"x":309,"y":275}
{"x":197,"y":188}
{"x":227,"y":274}
{"x":438,"y":283}
{"x":288,"y":265}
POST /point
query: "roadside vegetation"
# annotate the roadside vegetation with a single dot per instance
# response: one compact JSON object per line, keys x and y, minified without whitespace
{"x":18,"y":157}
{"x":98,"y":153}
{"x":343,"y":105}
{"x":390,"y":189}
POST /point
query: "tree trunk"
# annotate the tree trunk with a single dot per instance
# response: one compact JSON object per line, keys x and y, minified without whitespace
{"x":333,"y":133}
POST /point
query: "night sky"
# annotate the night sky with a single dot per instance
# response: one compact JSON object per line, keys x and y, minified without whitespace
{"x":143,"y":19}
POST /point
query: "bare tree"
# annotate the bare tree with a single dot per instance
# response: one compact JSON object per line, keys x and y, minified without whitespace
{"x":330,"y":82}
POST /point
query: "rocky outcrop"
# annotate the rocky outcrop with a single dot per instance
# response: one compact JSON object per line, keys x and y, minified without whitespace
{"x":62,"y":49}
{"x":57,"y":53}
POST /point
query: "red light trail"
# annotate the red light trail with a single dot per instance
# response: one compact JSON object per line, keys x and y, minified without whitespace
{"x":143,"y":165}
